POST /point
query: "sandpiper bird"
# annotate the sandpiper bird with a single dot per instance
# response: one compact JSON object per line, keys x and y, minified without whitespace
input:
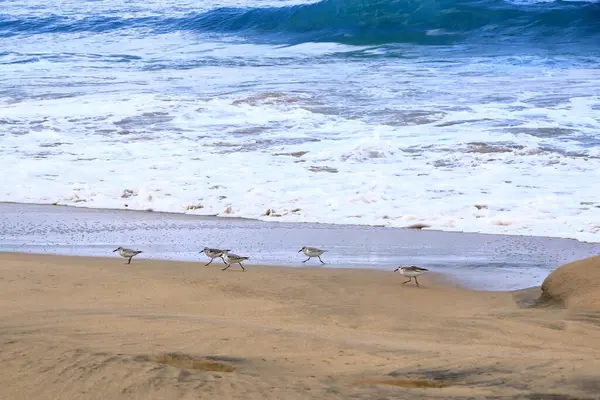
{"x":214,"y":253}
{"x":311,"y":252}
{"x":233,"y":259}
{"x":411,"y":271}
{"x":127,"y":253}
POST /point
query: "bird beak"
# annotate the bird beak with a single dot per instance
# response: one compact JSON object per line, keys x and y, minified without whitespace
{"x":115,"y":250}
{"x":299,"y":250}
{"x":396,"y":269}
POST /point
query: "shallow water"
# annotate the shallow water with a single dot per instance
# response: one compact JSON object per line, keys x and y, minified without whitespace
{"x":492,"y":262}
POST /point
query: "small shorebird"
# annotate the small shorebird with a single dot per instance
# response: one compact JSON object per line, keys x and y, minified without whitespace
{"x":411,"y":271}
{"x":127,"y":253}
{"x":214,"y":253}
{"x":311,"y":252}
{"x":233,"y":259}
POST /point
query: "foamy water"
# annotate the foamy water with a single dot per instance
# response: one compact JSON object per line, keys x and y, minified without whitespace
{"x":212,"y":124}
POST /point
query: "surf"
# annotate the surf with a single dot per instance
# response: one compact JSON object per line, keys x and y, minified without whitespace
{"x":359,"y":22}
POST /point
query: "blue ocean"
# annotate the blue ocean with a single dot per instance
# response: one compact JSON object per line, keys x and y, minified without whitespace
{"x":459,"y":115}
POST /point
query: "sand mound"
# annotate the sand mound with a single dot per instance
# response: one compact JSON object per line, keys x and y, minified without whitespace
{"x":576,"y":285}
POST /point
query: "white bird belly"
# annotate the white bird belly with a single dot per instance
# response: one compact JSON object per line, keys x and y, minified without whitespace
{"x":309,"y":253}
{"x":411,"y":273}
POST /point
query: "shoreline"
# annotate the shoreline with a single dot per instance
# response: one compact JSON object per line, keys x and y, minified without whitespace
{"x":481,"y":261}
{"x":415,"y":226}
{"x":438,"y":278}
{"x":80,"y":326}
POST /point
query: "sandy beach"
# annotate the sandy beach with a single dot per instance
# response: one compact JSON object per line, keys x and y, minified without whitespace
{"x":95,"y":328}
{"x":457,"y":136}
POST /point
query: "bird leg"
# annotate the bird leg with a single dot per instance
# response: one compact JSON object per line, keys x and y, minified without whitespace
{"x":223,"y":260}
{"x":306,"y":259}
{"x":409,"y":279}
{"x":244,"y":269}
{"x":129,"y":261}
{"x":211,"y":260}
{"x":228,"y":265}
{"x":321,"y":260}
{"x":417,"y":281}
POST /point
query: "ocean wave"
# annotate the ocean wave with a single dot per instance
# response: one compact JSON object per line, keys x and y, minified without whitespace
{"x":357,"y":22}
{"x":410,"y":21}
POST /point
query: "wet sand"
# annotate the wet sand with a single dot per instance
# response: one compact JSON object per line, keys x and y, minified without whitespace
{"x":95,"y":328}
{"x":491,"y":262}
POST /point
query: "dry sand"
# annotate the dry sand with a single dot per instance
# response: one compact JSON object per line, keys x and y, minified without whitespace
{"x":94,"y":328}
{"x":575,"y":285}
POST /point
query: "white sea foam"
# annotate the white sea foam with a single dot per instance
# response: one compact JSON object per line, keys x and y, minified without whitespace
{"x":300,"y":133}
{"x":354,"y":176}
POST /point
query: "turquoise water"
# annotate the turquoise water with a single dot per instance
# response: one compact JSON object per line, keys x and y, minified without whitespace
{"x":481,"y":23}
